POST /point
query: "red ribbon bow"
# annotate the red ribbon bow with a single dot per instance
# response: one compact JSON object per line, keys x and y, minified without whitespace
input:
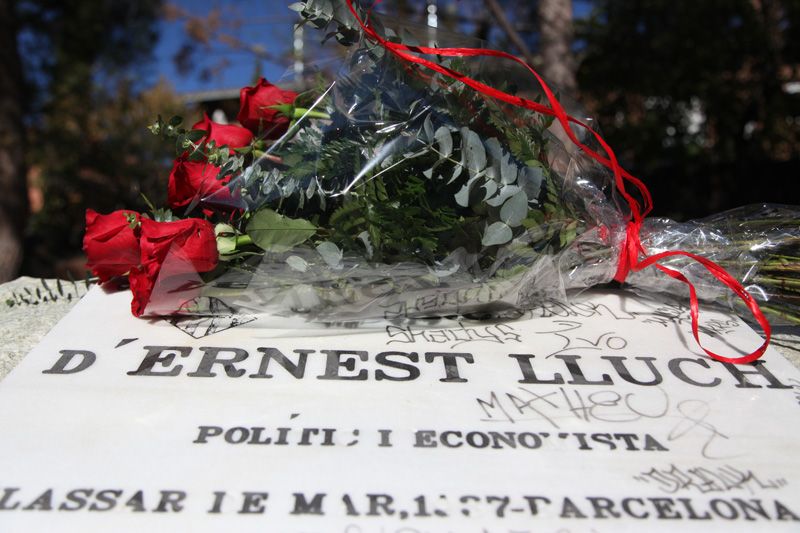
{"x":632,"y":249}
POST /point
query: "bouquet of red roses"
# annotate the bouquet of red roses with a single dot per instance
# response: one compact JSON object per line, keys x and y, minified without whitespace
{"x":410,"y":185}
{"x":163,"y":256}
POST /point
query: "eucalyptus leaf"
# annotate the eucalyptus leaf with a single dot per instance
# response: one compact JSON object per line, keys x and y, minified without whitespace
{"x":273,"y":232}
{"x":508,"y":169}
{"x":457,"y":171}
{"x":427,"y":127}
{"x":530,"y":179}
{"x":515,"y":209}
{"x":475,"y":153}
{"x":445,"y":270}
{"x":311,"y":189}
{"x":505,"y":193}
{"x":195,"y":135}
{"x":297,"y":263}
{"x":491,"y":188}
{"x":288,"y":187}
{"x":444,"y":139}
{"x":494,"y":148}
{"x":331,"y":254}
{"x":495,"y":152}
{"x":462,"y":196}
{"x":496,"y":233}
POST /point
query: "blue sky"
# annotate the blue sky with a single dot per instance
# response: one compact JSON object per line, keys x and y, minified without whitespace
{"x":264,"y":23}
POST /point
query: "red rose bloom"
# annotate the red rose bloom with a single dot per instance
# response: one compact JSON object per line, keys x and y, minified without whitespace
{"x":110,"y":243}
{"x":172,"y":255}
{"x":194,"y":181}
{"x":224,"y":134}
{"x":255,"y":113}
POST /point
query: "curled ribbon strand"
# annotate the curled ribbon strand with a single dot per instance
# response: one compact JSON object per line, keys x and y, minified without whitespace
{"x":632,"y":248}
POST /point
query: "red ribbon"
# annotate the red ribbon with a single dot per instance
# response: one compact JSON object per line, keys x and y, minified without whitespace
{"x":632,"y":248}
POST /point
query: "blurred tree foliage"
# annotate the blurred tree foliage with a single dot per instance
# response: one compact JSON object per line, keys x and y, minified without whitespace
{"x":88,"y":143}
{"x":693,"y":97}
{"x":14,"y":200}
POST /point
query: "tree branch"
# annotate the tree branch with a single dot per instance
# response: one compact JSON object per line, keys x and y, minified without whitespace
{"x":513,"y":35}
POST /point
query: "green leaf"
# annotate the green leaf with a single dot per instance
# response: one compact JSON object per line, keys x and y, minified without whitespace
{"x":273,"y":232}
{"x":427,"y":127}
{"x":474,"y":151}
{"x":163,"y":215}
{"x":347,"y":216}
{"x":531,"y":181}
{"x":157,"y":127}
{"x":534,"y":220}
{"x":515,"y":209}
{"x":491,"y":188}
{"x":297,"y":263}
{"x":508,"y":169}
{"x":462,"y":196}
{"x":568,"y":234}
{"x":196,"y":135}
{"x":456,"y":172}
{"x":505,"y":193}
{"x":331,"y":254}
{"x":445,"y":141}
{"x":495,"y":153}
{"x":497,"y":233}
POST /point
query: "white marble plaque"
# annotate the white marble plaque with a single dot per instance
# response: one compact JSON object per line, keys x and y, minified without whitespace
{"x":597,"y":416}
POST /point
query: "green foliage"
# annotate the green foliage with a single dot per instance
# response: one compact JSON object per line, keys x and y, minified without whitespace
{"x":101,"y":156}
{"x":276,"y":233}
{"x":322,"y":14}
{"x":691,"y":95}
{"x":415,"y":170}
{"x":87,"y":116}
